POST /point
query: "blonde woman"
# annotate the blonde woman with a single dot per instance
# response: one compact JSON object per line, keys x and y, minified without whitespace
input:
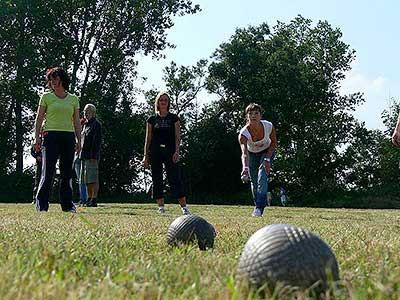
{"x":258,"y":142}
{"x":161,"y":148}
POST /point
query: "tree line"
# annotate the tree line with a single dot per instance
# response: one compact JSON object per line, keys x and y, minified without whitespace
{"x":293,"y":70}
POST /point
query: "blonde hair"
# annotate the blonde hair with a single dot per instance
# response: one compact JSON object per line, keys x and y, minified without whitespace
{"x":156,"y":102}
{"x":91,"y":107}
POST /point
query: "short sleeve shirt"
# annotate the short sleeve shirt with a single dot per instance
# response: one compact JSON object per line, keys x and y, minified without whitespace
{"x":59,"y":112}
{"x":163,"y":131}
{"x":261,"y":145}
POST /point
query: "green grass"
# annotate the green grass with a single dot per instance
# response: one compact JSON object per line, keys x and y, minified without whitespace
{"x":120,"y":252}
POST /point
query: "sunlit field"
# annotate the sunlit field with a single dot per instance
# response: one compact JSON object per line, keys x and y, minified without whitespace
{"x":119,"y":251}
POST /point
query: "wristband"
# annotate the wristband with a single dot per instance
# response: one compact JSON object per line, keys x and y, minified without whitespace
{"x":267,"y":159}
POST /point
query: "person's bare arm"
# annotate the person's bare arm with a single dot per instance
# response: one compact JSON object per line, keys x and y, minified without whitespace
{"x":77,"y":129}
{"x":396,"y":134}
{"x":40,"y":114}
{"x":245,"y":155}
{"x":270,"y":150}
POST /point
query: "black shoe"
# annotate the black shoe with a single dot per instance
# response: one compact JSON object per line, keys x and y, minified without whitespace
{"x":82,"y":203}
{"x":92,"y":203}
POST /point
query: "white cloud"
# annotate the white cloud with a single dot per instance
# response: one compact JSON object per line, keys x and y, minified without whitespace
{"x":378,"y":83}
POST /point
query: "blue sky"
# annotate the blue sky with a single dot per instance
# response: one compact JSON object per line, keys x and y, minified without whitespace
{"x":369,"y":27}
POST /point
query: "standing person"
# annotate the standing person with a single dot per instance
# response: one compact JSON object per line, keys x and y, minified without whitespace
{"x":162,"y":143}
{"x":90,"y":154}
{"x":59,"y":110}
{"x":283,"y":196}
{"x":269,"y":198}
{"x":258,"y":142}
{"x":77,"y":167}
{"x":396,"y":133}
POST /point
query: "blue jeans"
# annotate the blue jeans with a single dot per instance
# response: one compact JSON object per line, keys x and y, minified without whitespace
{"x":82,"y":186}
{"x":259,"y":179}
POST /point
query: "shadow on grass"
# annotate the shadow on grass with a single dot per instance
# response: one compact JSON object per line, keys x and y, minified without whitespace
{"x":129,"y":207}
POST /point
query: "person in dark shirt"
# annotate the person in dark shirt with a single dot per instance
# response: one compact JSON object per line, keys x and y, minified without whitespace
{"x":162,"y":145}
{"x":90,"y":154}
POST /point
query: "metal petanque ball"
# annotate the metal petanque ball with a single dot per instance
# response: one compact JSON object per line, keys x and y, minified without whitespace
{"x":288,"y":255}
{"x":189,"y":228}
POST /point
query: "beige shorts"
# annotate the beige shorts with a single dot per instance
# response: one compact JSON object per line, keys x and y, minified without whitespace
{"x":89,"y":171}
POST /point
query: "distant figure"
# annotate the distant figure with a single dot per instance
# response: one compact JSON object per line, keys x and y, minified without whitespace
{"x":269,"y":198}
{"x":396,"y":133}
{"x":59,"y":110}
{"x":283,"y":196}
{"x":90,"y":154}
{"x":162,"y":148}
{"x":258,"y":142}
{"x":77,"y":166}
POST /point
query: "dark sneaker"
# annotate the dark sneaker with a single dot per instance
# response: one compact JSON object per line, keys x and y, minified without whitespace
{"x":92,"y":203}
{"x":71,"y":210}
{"x":82,"y":203}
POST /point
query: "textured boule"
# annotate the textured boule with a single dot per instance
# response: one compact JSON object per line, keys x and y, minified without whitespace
{"x":288,"y":255}
{"x":190,"y":228}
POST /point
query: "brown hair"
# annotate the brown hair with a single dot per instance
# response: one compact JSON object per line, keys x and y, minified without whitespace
{"x":253,"y":107}
{"x":156,"y":102}
{"x":58,"y":71}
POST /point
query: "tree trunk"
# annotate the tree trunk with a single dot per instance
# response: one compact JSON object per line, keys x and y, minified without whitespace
{"x":18,"y":95}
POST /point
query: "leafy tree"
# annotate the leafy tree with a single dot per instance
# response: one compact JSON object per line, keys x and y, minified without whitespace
{"x":361,"y":159}
{"x":20,"y":62}
{"x":184,"y":84}
{"x":294,"y":72}
{"x":211,"y":162}
{"x":96,"y":41}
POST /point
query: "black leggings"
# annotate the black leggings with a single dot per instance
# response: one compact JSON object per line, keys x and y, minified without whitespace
{"x":158,"y":157}
{"x":56,"y":145}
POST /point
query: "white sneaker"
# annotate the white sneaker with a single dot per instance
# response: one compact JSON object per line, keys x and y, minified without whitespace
{"x":185,"y":211}
{"x":257,"y":212}
{"x":161,"y":209}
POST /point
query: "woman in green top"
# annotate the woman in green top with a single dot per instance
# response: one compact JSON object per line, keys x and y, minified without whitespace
{"x":61,"y":138}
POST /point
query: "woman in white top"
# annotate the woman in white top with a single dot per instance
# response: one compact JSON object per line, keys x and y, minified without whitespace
{"x":258,"y":142}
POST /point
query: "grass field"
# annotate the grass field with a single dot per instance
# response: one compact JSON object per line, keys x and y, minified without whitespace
{"x":119,"y":251}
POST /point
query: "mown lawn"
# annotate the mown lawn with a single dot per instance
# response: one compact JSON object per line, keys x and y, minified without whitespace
{"x":119,"y":251}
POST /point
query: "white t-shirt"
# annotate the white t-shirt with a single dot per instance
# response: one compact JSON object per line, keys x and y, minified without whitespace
{"x":261,"y":145}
